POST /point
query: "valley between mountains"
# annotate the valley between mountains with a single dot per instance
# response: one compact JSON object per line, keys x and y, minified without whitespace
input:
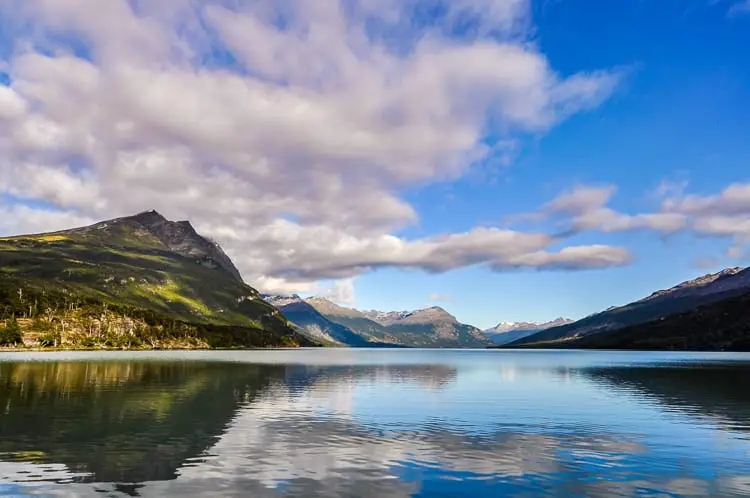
{"x":144,"y":282}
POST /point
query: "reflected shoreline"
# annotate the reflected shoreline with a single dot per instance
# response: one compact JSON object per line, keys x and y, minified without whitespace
{"x":365,"y":424}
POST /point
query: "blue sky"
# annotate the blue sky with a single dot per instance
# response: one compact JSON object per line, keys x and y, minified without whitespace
{"x":683,"y":115}
{"x":507,"y":160}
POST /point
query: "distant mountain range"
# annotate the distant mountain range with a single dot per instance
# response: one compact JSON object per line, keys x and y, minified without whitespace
{"x":667,"y":319}
{"x":325,"y":321}
{"x":507,"y":332}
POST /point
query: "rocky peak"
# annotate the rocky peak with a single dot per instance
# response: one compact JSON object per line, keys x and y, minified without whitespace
{"x":149,"y":218}
{"x":181,"y":238}
{"x":434,"y":314}
{"x":178,"y":236}
{"x":279,"y":300}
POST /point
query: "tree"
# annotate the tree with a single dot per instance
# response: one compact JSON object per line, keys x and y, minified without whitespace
{"x":11,"y":334}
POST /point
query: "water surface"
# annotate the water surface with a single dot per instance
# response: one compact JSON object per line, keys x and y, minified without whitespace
{"x":371,"y":423}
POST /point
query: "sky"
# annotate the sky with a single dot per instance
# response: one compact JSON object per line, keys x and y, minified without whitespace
{"x":508,"y":160}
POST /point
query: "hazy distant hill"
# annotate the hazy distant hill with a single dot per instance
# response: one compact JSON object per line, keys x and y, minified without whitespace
{"x":138,"y":281}
{"x":506,"y":332}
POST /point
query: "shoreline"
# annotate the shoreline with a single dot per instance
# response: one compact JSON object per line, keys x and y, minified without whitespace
{"x":144,"y":350}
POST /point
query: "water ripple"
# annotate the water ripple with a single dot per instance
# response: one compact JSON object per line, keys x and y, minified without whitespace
{"x":375,"y":423}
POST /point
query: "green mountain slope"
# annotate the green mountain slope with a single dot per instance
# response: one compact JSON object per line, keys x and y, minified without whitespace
{"x":159,"y":274}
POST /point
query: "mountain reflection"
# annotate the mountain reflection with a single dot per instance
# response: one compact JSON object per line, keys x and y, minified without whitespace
{"x":706,"y":391}
{"x":141,"y":421}
{"x":196,"y":428}
{"x":120,"y":422}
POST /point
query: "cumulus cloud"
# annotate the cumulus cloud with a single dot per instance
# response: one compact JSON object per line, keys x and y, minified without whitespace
{"x":585,"y":209}
{"x":725,"y":214}
{"x":285,"y":130}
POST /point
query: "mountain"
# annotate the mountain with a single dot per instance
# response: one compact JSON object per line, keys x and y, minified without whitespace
{"x":506,"y":332}
{"x":427,"y":315}
{"x":314,"y":323}
{"x":719,"y":326}
{"x":137,"y":281}
{"x":428,"y":327}
{"x":326,"y":320}
{"x":681,"y":298}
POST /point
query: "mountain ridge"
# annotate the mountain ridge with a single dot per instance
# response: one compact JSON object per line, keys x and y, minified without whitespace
{"x":426,"y":327}
{"x":683,"y":297}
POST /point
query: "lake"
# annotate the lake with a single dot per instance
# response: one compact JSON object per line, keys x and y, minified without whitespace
{"x":372,"y":423}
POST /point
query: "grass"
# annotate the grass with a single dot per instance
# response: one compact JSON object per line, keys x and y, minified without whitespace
{"x":129,"y":273}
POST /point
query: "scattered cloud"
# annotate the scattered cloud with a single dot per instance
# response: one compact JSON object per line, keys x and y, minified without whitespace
{"x":726,"y":214}
{"x":289,"y":142}
{"x":739,"y":8}
{"x":439,"y":298}
{"x":739,"y":253}
{"x":340,"y":292}
{"x":706,"y":263}
{"x":584,"y":208}
{"x":570,"y":258}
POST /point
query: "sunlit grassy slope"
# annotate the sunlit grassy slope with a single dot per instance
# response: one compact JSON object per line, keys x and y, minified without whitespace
{"x":125,"y":264}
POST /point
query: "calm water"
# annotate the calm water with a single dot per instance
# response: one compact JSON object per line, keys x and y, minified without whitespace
{"x":372,"y":423}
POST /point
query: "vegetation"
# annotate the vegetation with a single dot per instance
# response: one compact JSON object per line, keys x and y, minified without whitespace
{"x":116,"y":285}
{"x":11,"y":334}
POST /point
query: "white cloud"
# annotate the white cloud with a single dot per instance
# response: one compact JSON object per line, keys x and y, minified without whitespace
{"x":340,"y":292}
{"x":722,"y":215}
{"x":741,"y":7}
{"x":585,"y":209}
{"x":11,"y":105}
{"x":439,"y":298}
{"x":290,"y":146}
{"x":23,"y":219}
{"x":739,"y":253}
{"x":581,"y":199}
{"x":726,"y":214}
{"x":571,"y":258}
{"x":733,"y":200}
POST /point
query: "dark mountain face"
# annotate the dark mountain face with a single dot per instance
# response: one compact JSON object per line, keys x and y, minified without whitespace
{"x":179,"y":237}
{"x":144,"y":266}
{"x":314,"y":324}
{"x":678,"y":299}
{"x":718,"y":326}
